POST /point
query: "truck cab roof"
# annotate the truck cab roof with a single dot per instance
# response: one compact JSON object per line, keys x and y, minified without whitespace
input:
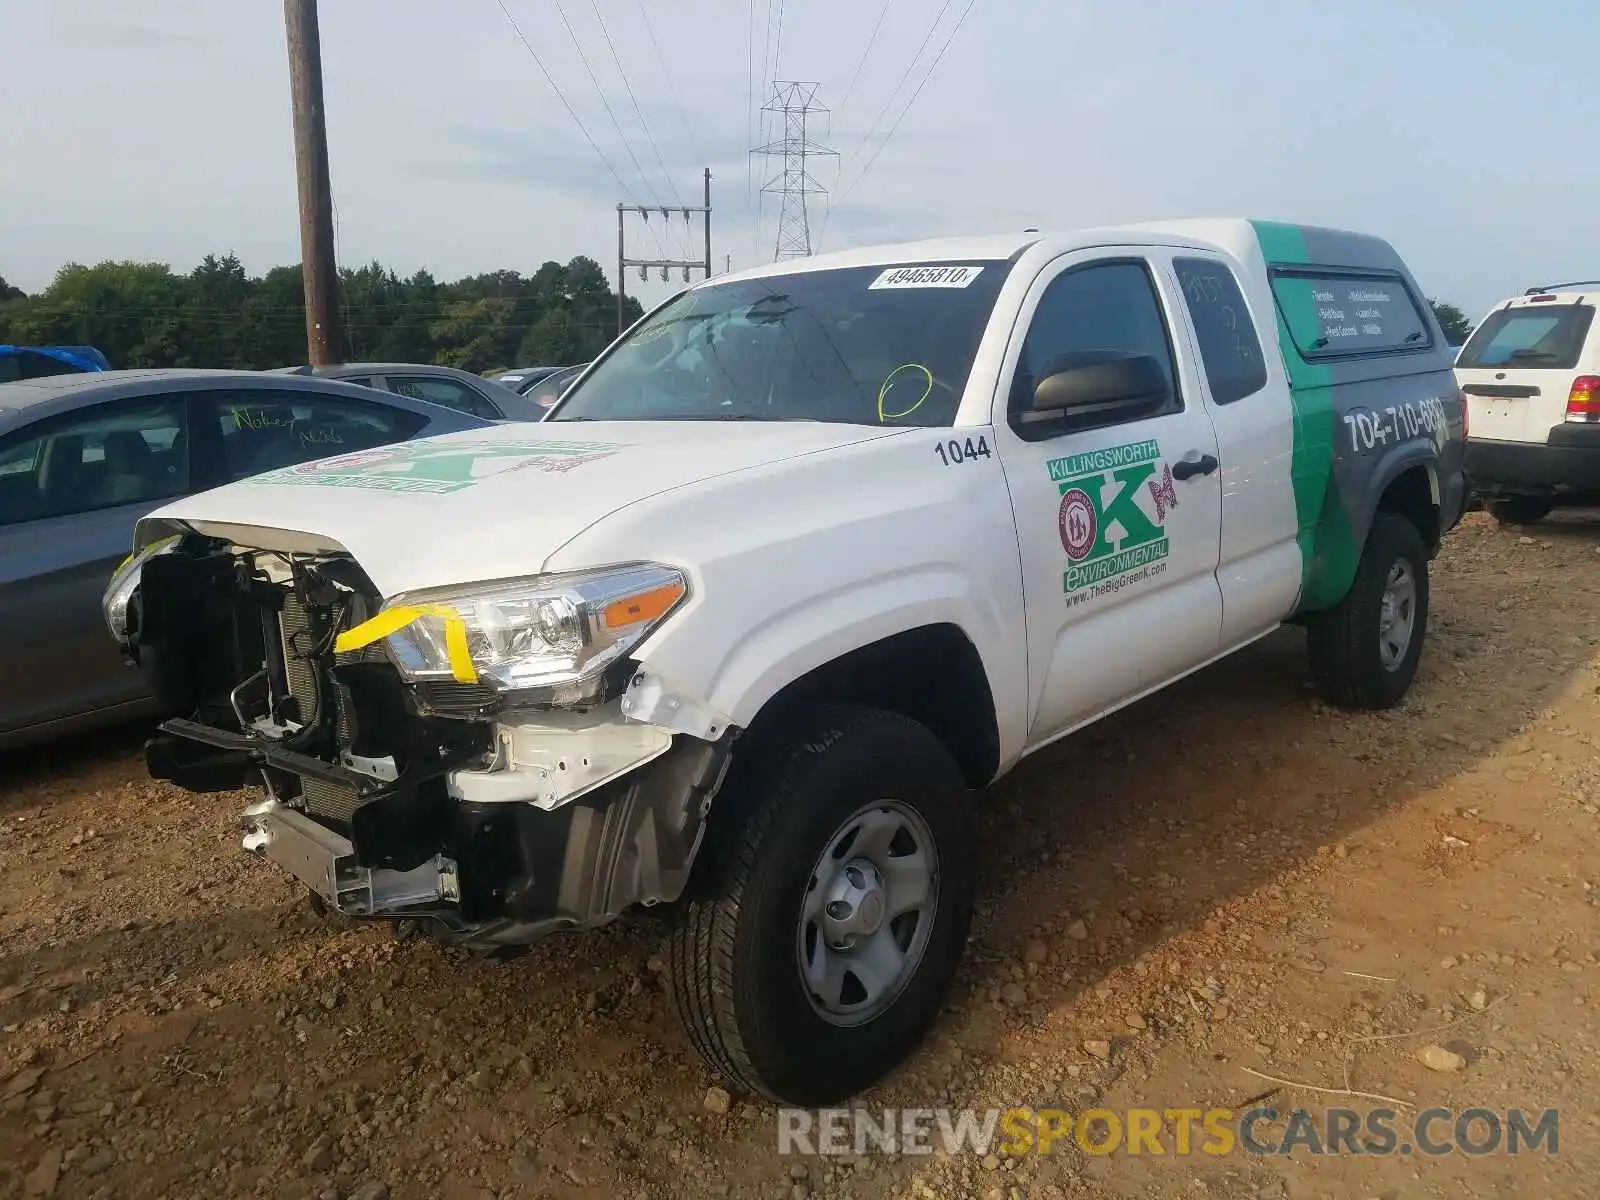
{"x":1237,"y":236}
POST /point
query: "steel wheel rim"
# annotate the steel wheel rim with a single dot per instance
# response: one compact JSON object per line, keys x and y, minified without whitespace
{"x":1397,"y":619}
{"x":868,"y":912}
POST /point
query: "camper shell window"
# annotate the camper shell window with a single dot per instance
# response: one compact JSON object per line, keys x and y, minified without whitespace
{"x":1345,"y":314}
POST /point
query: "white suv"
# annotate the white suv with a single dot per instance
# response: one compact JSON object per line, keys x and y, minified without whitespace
{"x":1531,"y":375}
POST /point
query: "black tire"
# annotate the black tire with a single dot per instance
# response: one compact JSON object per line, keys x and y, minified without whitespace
{"x":1519,"y":510}
{"x":1346,"y":660}
{"x":734,"y":957}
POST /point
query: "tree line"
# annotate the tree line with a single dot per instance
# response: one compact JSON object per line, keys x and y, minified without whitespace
{"x":1455,"y":323}
{"x":147,"y":315}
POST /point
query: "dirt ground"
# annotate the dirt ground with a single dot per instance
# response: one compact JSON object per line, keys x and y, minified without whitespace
{"x":1228,"y":882}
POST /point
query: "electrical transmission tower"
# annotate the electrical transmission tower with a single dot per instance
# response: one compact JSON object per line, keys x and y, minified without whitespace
{"x":795,"y":104}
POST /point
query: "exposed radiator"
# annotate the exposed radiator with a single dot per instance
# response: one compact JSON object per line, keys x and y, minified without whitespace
{"x":332,"y":801}
{"x":294,"y":622}
{"x":328,"y":800}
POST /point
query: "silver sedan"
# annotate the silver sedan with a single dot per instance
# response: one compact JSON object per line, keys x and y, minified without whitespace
{"x":83,"y":457}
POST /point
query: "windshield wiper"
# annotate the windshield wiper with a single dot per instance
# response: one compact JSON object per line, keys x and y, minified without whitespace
{"x":694,"y":417}
{"x":724,"y":417}
{"x":758,"y":417}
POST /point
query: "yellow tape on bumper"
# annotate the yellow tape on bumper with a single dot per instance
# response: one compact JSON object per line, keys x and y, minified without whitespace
{"x":392,"y":620}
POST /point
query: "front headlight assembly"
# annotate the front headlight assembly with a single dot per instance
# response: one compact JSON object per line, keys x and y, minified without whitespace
{"x":552,"y":635}
{"x":114,"y":604}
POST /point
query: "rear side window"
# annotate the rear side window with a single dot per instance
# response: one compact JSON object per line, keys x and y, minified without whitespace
{"x":261,"y":429}
{"x":1547,"y":337}
{"x":1336,"y":315}
{"x":1229,"y":347}
{"x":446,"y":393}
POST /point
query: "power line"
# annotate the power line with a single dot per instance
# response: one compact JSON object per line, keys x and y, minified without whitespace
{"x":637,"y":111}
{"x":749,"y":106}
{"x":766,"y":52}
{"x":932,"y":67}
{"x":761,"y":119}
{"x":561,"y":96}
{"x":872,"y":40}
{"x":777,"y":49}
{"x":615,"y":124}
{"x":683,"y":114}
{"x":894,"y":95}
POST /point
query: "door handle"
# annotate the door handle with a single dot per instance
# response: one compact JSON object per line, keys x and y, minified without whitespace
{"x":1188,"y":468}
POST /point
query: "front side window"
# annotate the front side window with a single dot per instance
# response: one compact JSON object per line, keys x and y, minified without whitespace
{"x":1229,"y":348}
{"x":1330,"y":315}
{"x":1109,"y":306}
{"x":856,"y":345}
{"x":266,"y":429}
{"x":127,"y":452}
{"x":446,"y":393}
{"x":1549,"y":336}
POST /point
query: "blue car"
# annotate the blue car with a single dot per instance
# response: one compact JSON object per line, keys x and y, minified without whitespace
{"x":33,"y":362}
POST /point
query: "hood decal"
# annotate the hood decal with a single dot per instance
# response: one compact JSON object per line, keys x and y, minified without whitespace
{"x":438,"y":468}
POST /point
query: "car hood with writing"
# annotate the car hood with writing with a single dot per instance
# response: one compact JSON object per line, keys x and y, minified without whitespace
{"x":486,"y":504}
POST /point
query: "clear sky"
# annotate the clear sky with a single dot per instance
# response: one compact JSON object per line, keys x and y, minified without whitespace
{"x":1463,"y":131}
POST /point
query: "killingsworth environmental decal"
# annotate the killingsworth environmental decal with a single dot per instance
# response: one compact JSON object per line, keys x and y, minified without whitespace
{"x":438,"y":468}
{"x":1113,"y":511}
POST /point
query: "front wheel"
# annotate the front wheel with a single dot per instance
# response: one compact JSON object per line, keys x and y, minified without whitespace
{"x":839,"y":912}
{"x":1365,"y":650}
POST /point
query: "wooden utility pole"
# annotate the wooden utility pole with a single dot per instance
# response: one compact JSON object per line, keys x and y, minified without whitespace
{"x":320,"y":272}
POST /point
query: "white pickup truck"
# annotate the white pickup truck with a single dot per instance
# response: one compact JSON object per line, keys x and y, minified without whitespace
{"x":805,"y":560}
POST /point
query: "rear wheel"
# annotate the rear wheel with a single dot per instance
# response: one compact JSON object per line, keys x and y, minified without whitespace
{"x":1519,"y":510}
{"x":1365,"y":650}
{"x":838,"y":913}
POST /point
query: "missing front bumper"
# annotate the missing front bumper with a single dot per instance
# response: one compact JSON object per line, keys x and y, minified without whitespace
{"x":510,"y":873}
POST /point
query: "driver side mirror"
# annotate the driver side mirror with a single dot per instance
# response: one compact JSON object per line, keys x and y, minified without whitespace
{"x":1101,"y":386}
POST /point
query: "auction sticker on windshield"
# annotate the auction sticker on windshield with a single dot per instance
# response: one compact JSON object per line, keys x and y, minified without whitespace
{"x":438,"y":468}
{"x":925,"y":277}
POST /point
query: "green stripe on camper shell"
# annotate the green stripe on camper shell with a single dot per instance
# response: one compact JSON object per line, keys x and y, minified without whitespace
{"x":1329,"y":550}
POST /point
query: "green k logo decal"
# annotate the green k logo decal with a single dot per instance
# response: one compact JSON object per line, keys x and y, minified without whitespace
{"x":1113,"y":511}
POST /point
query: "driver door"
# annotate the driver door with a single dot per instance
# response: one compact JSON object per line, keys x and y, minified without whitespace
{"x":1119,"y":519}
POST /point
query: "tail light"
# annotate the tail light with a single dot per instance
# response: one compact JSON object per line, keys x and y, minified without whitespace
{"x":1583,"y":401}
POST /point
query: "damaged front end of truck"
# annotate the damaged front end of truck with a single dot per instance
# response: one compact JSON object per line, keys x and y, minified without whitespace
{"x":489,"y":761}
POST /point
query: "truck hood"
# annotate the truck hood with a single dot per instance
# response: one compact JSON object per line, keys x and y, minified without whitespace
{"x":487,"y":503}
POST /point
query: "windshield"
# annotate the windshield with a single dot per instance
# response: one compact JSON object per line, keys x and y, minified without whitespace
{"x":854,"y":345}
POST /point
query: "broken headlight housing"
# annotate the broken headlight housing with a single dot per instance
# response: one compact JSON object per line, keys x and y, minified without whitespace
{"x":114,"y":604}
{"x":553,"y":635}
